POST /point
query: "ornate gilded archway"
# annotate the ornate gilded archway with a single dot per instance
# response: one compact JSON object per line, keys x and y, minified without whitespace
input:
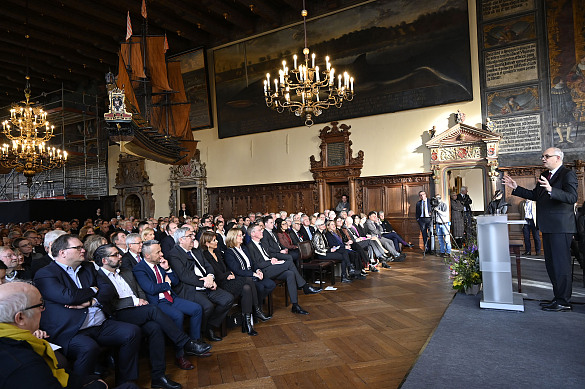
{"x":463,"y":146}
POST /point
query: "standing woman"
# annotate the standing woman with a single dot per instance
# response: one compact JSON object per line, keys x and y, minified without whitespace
{"x":238,"y":263}
{"x":323,"y":251}
{"x":220,"y":234}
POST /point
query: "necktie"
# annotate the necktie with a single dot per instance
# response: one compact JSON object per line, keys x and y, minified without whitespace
{"x":309,"y":233}
{"x":138,"y":258}
{"x":159,"y":281}
{"x":424,"y":208}
{"x":201,"y":269}
{"x":549,"y":176}
{"x":266,"y":256}
{"x":299,"y":236}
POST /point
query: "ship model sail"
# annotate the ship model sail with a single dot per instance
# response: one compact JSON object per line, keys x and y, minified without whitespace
{"x":149,"y":111}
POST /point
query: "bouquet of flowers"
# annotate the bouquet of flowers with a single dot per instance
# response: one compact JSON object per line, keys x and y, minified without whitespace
{"x":464,"y":267}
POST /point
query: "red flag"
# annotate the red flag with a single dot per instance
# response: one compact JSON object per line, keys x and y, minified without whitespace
{"x":166,"y":44}
{"x":128,"y":27}
{"x":143,"y":10}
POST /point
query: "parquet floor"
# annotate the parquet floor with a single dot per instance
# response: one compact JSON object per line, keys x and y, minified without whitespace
{"x":365,"y":334}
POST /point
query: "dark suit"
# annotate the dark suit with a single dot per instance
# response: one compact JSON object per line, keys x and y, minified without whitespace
{"x":128,"y":261}
{"x":39,"y":263}
{"x":424,"y":223}
{"x":152,"y":321}
{"x":296,"y":237}
{"x":215,"y":303}
{"x":175,"y":310}
{"x":305,"y":234}
{"x":63,"y":324}
{"x":555,"y":218}
{"x":166,"y":245}
{"x":284,"y":271}
{"x":270,"y":243}
{"x":238,"y":266}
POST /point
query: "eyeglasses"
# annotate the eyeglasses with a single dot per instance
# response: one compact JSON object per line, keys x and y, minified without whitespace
{"x":78,"y":248}
{"x":546,"y":156}
{"x":136,"y":243}
{"x":40,"y":305}
{"x":115,"y":255}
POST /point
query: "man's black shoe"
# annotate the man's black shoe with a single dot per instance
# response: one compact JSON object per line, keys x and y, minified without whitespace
{"x":374,"y":269}
{"x":547,"y":302}
{"x":165,"y":383}
{"x":385,"y":265}
{"x":556,"y":307}
{"x":196,"y":347}
{"x":526,"y":253}
{"x":400,"y":258}
{"x":308,"y":289}
{"x":296,"y":308}
{"x":345,"y":280}
{"x":210,"y":335}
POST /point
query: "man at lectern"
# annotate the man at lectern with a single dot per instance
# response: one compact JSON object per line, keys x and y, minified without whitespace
{"x":555,"y":194}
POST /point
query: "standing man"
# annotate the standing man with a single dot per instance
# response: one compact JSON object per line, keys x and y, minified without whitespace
{"x":556,"y":194}
{"x":423,"y":217}
{"x":464,"y":198}
{"x":343,"y":205}
{"x":528,"y":213}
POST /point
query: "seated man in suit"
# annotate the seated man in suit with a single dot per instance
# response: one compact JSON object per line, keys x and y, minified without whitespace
{"x":129,"y":305}
{"x":390,"y":233}
{"x":307,"y":230}
{"x":133,"y":255}
{"x":155,"y":277}
{"x":43,"y":261}
{"x":271,"y":244}
{"x":198,"y":282}
{"x":168,"y":242}
{"x":372,"y":228}
{"x":74,"y":316}
{"x":274,"y":268}
{"x":28,"y":361}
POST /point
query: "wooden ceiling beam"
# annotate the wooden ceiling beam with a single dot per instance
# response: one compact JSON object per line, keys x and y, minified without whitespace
{"x":265,"y":10}
{"x":226,"y":10}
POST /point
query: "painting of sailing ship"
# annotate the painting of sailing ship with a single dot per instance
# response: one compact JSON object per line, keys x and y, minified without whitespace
{"x":403,"y":55}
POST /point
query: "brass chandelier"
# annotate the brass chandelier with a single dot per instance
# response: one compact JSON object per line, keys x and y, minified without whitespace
{"x":28,"y":132}
{"x":306,"y":89}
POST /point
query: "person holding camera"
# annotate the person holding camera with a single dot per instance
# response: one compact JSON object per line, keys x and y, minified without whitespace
{"x":442,"y":223}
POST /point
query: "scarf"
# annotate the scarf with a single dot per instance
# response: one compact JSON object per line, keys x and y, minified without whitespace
{"x":40,"y":346}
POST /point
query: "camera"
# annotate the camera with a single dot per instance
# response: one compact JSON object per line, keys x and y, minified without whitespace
{"x":434,"y":202}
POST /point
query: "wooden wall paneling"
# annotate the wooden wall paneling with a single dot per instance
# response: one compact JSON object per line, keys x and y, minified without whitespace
{"x":241,"y":205}
{"x":393,"y":201}
{"x":372,"y":198}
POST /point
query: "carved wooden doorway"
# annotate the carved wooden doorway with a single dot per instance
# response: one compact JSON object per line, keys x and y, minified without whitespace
{"x":132,"y":207}
{"x":336,"y":190}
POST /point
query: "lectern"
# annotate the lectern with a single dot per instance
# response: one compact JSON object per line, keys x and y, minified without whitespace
{"x":494,"y":263}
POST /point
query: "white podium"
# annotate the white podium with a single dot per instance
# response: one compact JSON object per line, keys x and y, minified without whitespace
{"x":494,"y":262}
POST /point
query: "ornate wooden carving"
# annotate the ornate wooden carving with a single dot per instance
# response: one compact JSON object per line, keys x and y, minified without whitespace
{"x":464,"y":146}
{"x":132,"y":180}
{"x":191,"y":175}
{"x":335,"y":169}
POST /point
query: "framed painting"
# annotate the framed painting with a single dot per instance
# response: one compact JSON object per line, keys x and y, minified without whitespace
{"x":195,"y":80}
{"x":402,"y":54}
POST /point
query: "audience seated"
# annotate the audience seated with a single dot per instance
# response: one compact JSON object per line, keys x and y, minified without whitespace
{"x":275,"y":268}
{"x":372,"y":228}
{"x":238,"y":260}
{"x":155,"y":277}
{"x":133,"y":255}
{"x":197,"y":282}
{"x":74,"y":316}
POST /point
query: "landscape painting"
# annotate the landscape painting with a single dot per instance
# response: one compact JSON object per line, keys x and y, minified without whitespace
{"x":403,"y":55}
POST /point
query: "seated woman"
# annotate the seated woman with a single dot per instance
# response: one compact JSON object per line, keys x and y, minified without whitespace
{"x":335,"y":240}
{"x":92,"y":242}
{"x":282,"y":234}
{"x":236,"y":285}
{"x":147,"y":234}
{"x":325,"y":252}
{"x":237,"y":259}
{"x":361,"y":260}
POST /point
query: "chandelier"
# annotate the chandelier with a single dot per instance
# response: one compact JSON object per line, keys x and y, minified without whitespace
{"x":28,"y":132}
{"x":306,"y":89}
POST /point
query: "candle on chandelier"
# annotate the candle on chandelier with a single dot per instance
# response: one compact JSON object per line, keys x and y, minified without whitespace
{"x":351,"y":83}
{"x":295,"y":61}
{"x":313,"y":60}
{"x":327,"y":62}
{"x":339,"y":79}
{"x":317,"y":73}
{"x":268,"y":80}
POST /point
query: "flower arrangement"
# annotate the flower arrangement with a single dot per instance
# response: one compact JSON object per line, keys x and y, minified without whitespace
{"x":464,"y":267}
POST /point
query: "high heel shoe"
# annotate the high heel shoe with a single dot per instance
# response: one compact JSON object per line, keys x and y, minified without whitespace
{"x":247,"y":324}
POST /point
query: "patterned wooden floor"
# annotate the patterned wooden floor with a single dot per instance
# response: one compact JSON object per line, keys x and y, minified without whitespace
{"x":365,"y":334}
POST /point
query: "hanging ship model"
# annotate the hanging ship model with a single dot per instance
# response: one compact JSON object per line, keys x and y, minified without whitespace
{"x":148,"y":109}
